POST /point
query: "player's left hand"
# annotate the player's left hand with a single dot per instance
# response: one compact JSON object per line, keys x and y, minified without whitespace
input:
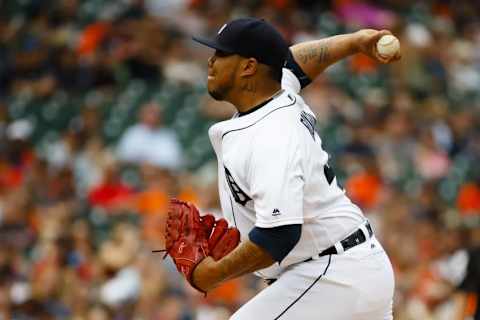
{"x":366,"y":43}
{"x":203,"y":277}
{"x":193,"y":241}
{"x":186,"y":237}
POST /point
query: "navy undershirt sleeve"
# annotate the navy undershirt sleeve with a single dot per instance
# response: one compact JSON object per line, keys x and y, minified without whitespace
{"x":277,"y":241}
{"x":293,"y":66}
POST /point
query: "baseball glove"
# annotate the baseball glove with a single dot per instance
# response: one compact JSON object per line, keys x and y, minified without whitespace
{"x":223,"y":239}
{"x":189,"y":238}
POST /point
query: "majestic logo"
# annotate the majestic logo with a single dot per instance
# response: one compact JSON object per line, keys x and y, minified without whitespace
{"x":221,"y":29}
{"x":309,"y":122}
{"x":240,"y":196}
{"x":276,"y":212}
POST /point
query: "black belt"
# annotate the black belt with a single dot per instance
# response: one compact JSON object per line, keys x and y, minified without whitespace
{"x":349,"y":242}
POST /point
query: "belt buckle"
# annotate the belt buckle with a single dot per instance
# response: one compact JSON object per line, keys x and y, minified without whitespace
{"x":364,"y":230}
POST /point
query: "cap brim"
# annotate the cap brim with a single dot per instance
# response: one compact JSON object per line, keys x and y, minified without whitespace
{"x":212,"y":44}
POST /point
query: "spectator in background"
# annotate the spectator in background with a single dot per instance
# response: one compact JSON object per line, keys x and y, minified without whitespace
{"x":151,"y":202}
{"x":468,"y":296}
{"x":112,"y":193}
{"x":118,"y":254}
{"x":148,"y":141}
{"x":416,"y":124}
{"x":468,"y":200}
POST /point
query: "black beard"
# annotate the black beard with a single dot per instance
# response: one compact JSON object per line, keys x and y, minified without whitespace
{"x":215,"y":94}
{"x":222,"y":91}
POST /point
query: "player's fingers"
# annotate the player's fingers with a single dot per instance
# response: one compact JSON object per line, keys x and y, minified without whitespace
{"x":373,"y":45}
{"x":397,"y":56}
{"x":380,"y":34}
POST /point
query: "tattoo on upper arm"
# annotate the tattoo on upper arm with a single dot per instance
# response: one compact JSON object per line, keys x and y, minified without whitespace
{"x":307,"y":54}
{"x":323,"y":56}
{"x":317,"y":53}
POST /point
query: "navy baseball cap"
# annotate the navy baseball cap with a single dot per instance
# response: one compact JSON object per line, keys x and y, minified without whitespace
{"x":250,"y":37}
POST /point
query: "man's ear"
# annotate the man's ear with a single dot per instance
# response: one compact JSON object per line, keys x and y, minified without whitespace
{"x":248,"y":67}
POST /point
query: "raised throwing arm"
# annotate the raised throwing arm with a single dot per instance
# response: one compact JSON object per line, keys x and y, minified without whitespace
{"x":315,"y":56}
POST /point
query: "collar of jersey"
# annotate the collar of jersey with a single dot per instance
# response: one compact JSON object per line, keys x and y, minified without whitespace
{"x":264,"y":103}
{"x":283,"y":100}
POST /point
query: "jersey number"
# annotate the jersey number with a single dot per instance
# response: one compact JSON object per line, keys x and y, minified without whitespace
{"x":309,"y":122}
{"x":240,"y":196}
{"x":329,"y":174}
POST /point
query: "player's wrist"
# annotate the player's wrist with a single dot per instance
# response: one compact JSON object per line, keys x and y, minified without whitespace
{"x":206,"y":276}
{"x":356,"y":40}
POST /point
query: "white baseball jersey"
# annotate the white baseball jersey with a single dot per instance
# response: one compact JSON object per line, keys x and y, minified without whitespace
{"x":273,"y":171}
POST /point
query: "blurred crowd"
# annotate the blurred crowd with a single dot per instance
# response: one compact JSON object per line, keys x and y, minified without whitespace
{"x":104,"y":117}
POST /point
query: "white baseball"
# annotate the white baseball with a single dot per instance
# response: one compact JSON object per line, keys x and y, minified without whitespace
{"x":388,"y":46}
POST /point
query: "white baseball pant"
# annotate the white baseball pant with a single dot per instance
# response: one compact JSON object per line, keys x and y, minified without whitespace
{"x":357,"y":284}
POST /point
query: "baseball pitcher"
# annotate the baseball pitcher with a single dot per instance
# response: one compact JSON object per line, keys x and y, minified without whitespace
{"x":286,"y":218}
